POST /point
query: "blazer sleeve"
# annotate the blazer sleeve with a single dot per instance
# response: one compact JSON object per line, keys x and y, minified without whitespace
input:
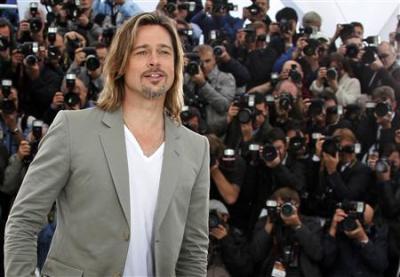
{"x":192,"y":260}
{"x":45,"y":178}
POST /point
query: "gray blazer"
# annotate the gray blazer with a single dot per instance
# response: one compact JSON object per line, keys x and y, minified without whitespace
{"x":82,"y":164}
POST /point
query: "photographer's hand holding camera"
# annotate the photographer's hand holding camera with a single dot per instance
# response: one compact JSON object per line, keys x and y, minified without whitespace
{"x":354,"y":244}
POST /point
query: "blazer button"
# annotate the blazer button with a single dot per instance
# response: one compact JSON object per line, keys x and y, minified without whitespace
{"x":126,"y":235}
{"x":117,"y":274}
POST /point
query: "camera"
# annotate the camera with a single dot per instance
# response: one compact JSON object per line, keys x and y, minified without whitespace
{"x":108,"y":35}
{"x":250,"y":34}
{"x":287,"y":209}
{"x":189,"y":6}
{"x":331,"y":145}
{"x":334,"y":110}
{"x":382,"y":166}
{"x":246,"y":104}
{"x":382,"y":109}
{"x":274,"y":78}
{"x":228,"y":159}
{"x":273,"y":209}
{"x":306,"y":31}
{"x":185,"y":32}
{"x":51,"y":3}
{"x":73,"y":9}
{"x":71,"y":99}
{"x":352,"y":51}
{"x":7,"y":105}
{"x":214,"y":219}
{"x":4,"y":43}
{"x":269,"y":152}
{"x":294,"y":75}
{"x":296,"y":144}
{"x":331,"y":73}
{"x":371,"y":50}
{"x":253,"y":154}
{"x":51,"y":35}
{"x":37,"y":132}
{"x":192,"y":68}
{"x":219,"y":6}
{"x":285,"y":101}
{"x":254,"y":9}
{"x":316,"y":107}
{"x":30,"y":50}
{"x":218,"y":51}
{"x":350,"y":149}
{"x":354,"y":210}
{"x":311,"y":48}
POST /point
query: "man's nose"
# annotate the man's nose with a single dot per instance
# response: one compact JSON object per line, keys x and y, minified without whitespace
{"x":153,"y":59}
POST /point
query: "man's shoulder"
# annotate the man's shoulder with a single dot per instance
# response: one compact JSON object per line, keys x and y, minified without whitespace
{"x":86,"y":118}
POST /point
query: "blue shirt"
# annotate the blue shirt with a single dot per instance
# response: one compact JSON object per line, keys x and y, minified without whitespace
{"x":123,"y":12}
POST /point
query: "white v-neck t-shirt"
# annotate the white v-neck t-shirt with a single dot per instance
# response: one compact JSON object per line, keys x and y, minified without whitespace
{"x":144,"y":181}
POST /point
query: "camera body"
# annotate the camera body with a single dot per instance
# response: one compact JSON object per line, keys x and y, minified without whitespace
{"x":331,"y":145}
{"x":246,"y":104}
{"x":214,"y":220}
{"x":354,"y":210}
{"x":285,"y":101}
{"x":7,"y":105}
{"x":294,"y":75}
{"x":192,"y":68}
{"x":274,"y":210}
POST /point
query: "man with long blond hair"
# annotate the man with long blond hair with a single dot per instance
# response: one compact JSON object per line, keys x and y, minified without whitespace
{"x":131,"y":183}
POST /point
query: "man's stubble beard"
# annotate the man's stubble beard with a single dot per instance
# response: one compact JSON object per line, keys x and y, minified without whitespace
{"x":150,"y":93}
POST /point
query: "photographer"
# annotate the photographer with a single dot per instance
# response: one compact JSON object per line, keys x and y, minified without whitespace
{"x":73,"y":96}
{"x":379,"y":128}
{"x":227,"y":171}
{"x":257,"y":11}
{"x":7,"y":44}
{"x":337,"y":79}
{"x":247,"y":121}
{"x":19,"y":162}
{"x":228,"y":64}
{"x":224,"y":252}
{"x":387,"y":170}
{"x":344,"y":177}
{"x":115,"y":11}
{"x":354,"y":245}
{"x":276,"y":169}
{"x":220,"y":19}
{"x":286,"y":243}
{"x":215,"y":88}
{"x":387,"y":70}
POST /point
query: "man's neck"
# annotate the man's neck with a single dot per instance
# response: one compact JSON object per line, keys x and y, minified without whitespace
{"x":143,"y":115}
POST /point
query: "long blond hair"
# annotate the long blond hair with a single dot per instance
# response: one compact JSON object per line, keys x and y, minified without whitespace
{"x":117,"y":59}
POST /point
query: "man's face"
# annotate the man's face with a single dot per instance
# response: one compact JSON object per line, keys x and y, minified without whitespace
{"x":288,"y":86}
{"x":264,"y":5}
{"x":358,"y":32}
{"x":386,"y":56}
{"x":207,"y":61}
{"x":101,"y":54}
{"x":5,"y":32}
{"x":281,"y":147}
{"x":150,"y":69}
{"x":86,"y":4}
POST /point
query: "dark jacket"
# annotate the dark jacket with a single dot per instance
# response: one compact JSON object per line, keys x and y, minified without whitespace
{"x":266,"y":180}
{"x":308,"y":238}
{"x":344,"y":257}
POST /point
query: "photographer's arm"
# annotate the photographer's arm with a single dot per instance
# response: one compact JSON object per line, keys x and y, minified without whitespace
{"x":219,"y":100}
{"x":229,"y":191}
{"x":374,"y":252}
{"x":389,"y":199}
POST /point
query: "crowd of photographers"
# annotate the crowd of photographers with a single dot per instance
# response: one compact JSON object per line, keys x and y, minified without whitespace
{"x":303,"y":126}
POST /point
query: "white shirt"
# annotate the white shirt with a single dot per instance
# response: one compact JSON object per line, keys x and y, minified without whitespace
{"x":144,"y":181}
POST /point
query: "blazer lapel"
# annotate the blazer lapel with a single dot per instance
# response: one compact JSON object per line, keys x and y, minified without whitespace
{"x":170,"y":171}
{"x":113,"y":142}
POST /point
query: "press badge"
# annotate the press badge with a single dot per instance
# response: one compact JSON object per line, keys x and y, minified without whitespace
{"x":278,"y":270}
